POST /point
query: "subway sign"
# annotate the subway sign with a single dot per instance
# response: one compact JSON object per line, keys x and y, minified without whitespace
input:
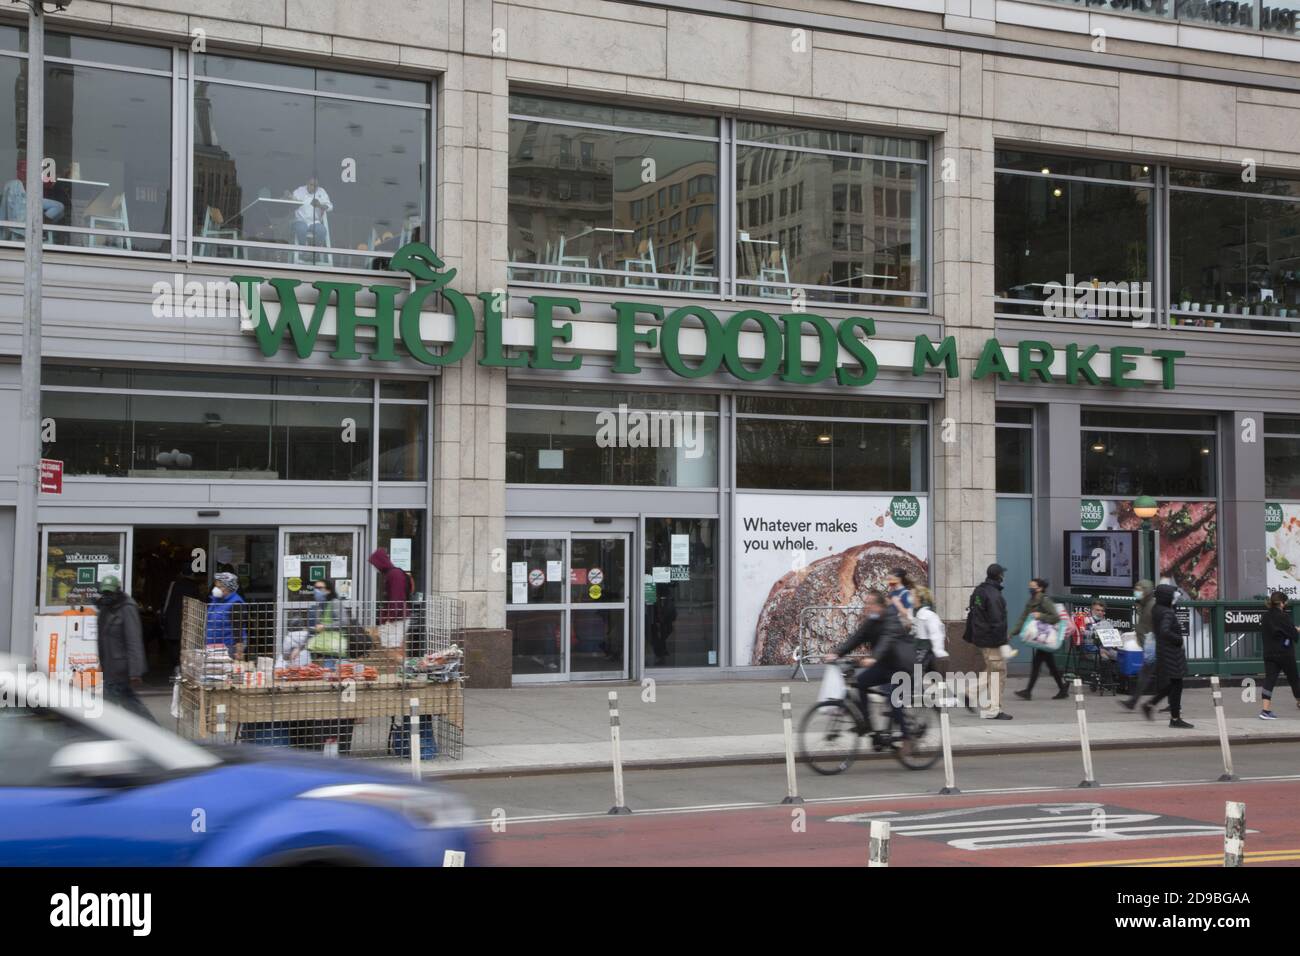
{"x":691,"y":340}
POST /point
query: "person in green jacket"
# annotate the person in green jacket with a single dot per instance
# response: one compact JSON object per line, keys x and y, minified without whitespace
{"x":1042,"y":608}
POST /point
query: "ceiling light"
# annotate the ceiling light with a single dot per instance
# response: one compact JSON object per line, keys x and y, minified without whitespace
{"x":1098,"y":446}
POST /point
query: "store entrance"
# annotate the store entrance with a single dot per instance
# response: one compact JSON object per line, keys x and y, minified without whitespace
{"x":567,"y":605}
{"x":170,"y":564}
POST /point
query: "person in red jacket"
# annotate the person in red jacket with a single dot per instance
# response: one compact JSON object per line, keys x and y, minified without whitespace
{"x":394,"y":593}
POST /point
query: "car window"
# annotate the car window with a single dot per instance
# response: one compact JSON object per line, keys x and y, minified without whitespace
{"x":29,"y":739}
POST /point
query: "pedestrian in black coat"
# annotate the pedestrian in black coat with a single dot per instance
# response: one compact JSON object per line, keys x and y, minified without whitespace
{"x":1171,"y":661}
{"x":1280,"y":635}
{"x":121,"y":647}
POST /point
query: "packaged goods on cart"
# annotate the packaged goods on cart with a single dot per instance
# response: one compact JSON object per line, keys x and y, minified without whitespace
{"x":212,"y":665}
{"x":438,"y":665}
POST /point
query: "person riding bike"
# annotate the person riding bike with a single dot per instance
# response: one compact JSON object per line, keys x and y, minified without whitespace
{"x":892,"y":648}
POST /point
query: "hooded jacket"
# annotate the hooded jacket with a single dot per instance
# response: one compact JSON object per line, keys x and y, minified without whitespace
{"x":1171,"y":661}
{"x":988,"y":612}
{"x":1143,"y":608}
{"x":394,"y":587}
{"x":121,"y":642}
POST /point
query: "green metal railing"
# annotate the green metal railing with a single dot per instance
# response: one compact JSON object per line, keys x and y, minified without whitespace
{"x":1213,"y":645}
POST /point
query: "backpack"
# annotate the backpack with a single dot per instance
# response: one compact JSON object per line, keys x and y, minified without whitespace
{"x":968,"y":634}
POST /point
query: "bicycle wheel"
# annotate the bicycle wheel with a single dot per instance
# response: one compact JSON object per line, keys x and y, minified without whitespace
{"x":920,"y":746}
{"x":828,"y":737}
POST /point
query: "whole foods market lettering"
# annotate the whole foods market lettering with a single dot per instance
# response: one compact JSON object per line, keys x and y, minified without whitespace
{"x":692,"y":341}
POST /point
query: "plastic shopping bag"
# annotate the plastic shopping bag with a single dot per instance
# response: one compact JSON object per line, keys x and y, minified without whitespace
{"x":833,"y":685}
{"x":1043,"y":635}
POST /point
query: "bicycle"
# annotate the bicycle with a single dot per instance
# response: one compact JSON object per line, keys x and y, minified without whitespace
{"x":832,"y":730}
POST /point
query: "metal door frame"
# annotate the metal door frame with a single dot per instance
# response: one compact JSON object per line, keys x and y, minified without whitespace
{"x":626,"y":537}
{"x":128,"y":557}
{"x":360,"y":581}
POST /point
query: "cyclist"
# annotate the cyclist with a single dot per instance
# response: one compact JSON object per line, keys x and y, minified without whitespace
{"x":892,"y":649}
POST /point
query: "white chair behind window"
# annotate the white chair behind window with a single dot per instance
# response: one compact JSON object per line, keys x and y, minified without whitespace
{"x":645,"y":264}
{"x":214,"y":227}
{"x":117,"y":218}
{"x":301,"y":256}
{"x":775,"y":269}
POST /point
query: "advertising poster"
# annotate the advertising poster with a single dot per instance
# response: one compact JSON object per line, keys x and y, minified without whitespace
{"x":1282,"y":536}
{"x":1188,"y":530}
{"x":1101,"y":559}
{"x":797,"y":551}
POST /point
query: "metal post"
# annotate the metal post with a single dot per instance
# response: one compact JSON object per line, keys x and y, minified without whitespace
{"x":949,"y":699}
{"x":29,"y":399}
{"x":1234,"y":834}
{"x":787,"y":723}
{"x":413,"y":737}
{"x":1217,"y":693}
{"x":620,"y":806}
{"x":1088,"y":779}
{"x":878,"y":852}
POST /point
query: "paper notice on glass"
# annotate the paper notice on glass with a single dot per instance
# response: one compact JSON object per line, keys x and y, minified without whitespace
{"x":518,"y":572}
{"x":553,"y":571}
{"x":662,"y":575}
{"x":550,"y":458}
{"x":105,"y":570}
{"x":519,"y":593}
{"x":338,"y":567}
{"x":292,"y":566}
{"x":399,"y":549}
{"x":681,"y":549}
{"x":90,"y":628}
{"x":344,"y":587}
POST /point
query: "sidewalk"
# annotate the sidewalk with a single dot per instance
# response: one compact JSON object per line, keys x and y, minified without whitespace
{"x":546,"y":729}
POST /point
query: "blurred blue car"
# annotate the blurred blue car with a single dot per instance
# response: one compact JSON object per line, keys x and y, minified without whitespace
{"x":85,"y":783}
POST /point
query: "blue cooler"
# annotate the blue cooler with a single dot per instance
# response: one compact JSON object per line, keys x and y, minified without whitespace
{"x":1130,"y":662}
{"x":399,"y":739}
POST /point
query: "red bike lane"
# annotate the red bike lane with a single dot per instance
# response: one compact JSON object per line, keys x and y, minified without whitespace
{"x":1162,"y":825}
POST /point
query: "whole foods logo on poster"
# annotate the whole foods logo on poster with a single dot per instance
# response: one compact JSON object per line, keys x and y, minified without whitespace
{"x":905,"y":511}
{"x":1091,"y":514}
{"x":1272,"y":516}
{"x":692,"y":341}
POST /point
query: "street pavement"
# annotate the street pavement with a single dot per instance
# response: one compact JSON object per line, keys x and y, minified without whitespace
{"x":543,"y":729}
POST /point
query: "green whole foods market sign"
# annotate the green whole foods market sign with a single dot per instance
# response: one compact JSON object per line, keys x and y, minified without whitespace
{"x":1091,"y":514}
{"x":1272,"y":517}
{"x":692,"y":340}
{"x":905,"y":510}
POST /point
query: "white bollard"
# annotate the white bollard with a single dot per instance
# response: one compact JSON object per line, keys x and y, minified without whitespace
{"x":949,"y":699}
{"x":787,"y":723}
{"x":221,"y":719}
{"x":1217,"y":693}
{"x":1089,"y":780}
{"x":620,"y":806}
{"x":878,"y":852}
{"x":1234,"y":835}
{"x":413,"y":737}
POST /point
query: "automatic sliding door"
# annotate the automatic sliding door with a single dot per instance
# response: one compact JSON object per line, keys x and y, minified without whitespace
{"x":598,"y":605}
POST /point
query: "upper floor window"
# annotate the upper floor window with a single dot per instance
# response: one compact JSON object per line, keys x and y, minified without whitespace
{"x":1163,"y":454}
{"x":1281,"y":457}
{"x":1076,"y":222}
{"x":306,"y":166}
{"x":596,"y":196}
{"x":854,"y":201}
{"x":1234,"y":251}
{"x":108,"y":133}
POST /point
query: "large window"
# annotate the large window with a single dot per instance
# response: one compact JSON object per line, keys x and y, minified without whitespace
{"x":1234,"y":254}
{"x":1281,"y":457}
{"x":838,"y":215}
{"x":124,"y":423}
{"x":306,"y":166}
{"x":1167,"y":456}
{"x":629,"y":198}
{"x":108,"y":138}
{"x":603,"y":437}
{"x":609,"y":196}
{"x":843,"y":445}
{"x":1015,"y":448}
{"x":1071,"y":221}
{"x":681,"y":612}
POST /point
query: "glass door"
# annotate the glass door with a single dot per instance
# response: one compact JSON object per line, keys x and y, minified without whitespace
{"x":566,"y":605}
{"x":308,"y":555}
{"x":248,"y":554}
{"x":75,"y":561}
{"x":598,"y":605}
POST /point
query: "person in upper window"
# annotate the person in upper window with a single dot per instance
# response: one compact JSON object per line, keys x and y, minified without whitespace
{"x":309,"y":220}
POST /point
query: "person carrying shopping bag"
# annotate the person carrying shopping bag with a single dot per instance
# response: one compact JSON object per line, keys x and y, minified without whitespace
{"x":1040,"y":610}
{"x":1144,"y":592}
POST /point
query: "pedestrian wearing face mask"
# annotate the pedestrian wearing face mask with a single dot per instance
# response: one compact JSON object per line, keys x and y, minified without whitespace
{"x":227,"y":621}
{"x":1041,"y":608}
{"x":1145,"y":597}
{"x":327,"y":620}
{"x":1171,"y":661}
{"x":986,"y":628}
{"x":121,"y":647}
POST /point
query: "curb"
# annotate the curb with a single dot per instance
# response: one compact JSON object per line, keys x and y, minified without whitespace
{"x":687,"y":763}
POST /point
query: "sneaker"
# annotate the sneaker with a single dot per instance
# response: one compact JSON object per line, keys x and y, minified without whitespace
{"x":1147,"y":712}
{"x":1128,"y":704}
{"x":1061,"y":694}
{"x":1024,"y":694}
{"x":1267,"y":715}
{"x":1164,"y":710}
{"x":1181,"y":724}
{"x":1002,"y":715}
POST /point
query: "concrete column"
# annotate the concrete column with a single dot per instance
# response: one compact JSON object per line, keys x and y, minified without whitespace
{"x":469,"y":419}
{"x":965,"y":508}
{"x":1059,"y":453}
{"x":1242,"y":553}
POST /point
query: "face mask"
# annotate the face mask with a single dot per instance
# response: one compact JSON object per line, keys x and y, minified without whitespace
{"x":217,"y":592}
{"x":1138,"y":595}
{"x":320,"y":595}
{"x":874,"y":616}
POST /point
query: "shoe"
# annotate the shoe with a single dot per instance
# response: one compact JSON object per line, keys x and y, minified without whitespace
{"x":1128,"y":704}
{"x":1147,"y":712}
{"x":1061,"y":694}
{"x":1164,"y":710}
{"x":1267,"y":715}
{"x":1181,"y":724}
{"x":1024,"y":694}
{"x":1001,"y":715}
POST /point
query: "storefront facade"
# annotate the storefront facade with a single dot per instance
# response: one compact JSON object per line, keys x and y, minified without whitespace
{"x":642,"y":329}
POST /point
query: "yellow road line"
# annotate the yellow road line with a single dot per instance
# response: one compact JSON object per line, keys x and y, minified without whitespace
{"x":1259,"y":856}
